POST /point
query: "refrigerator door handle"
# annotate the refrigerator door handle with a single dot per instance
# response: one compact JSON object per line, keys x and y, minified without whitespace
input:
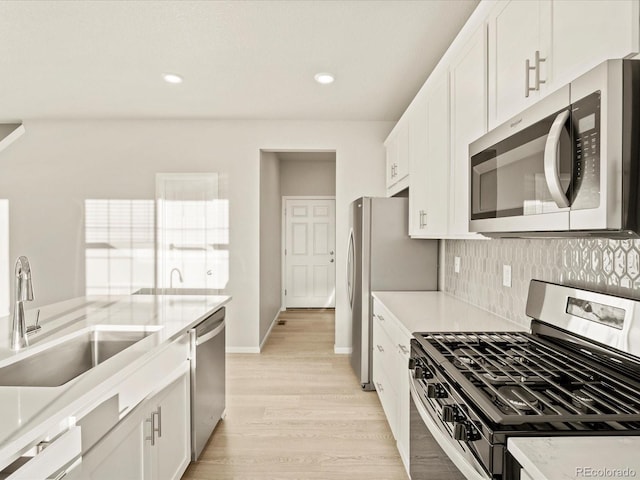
{"x":350,"y":268}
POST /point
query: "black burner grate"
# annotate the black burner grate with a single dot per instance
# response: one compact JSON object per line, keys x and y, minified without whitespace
{"x":518,"y":378}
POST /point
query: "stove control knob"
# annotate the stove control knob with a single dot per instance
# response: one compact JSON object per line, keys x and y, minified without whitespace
{"x":436,"y":390}
{"x":423,"y":373}
{"x":451,"y":414}
{"x":465,"y":432}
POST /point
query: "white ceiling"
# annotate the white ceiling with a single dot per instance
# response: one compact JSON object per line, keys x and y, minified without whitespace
{"x":240,"y":59}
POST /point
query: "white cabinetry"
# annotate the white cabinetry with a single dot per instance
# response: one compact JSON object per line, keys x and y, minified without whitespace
{"x":151,"y":442}
{"x":429,"y":159}
{"x":536,"y":46}
{"x":468,"y":76}
{"x":391,"y":348}
{"x":397,"y":149}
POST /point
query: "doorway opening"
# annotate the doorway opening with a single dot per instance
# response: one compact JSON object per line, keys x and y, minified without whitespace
{"x":297,"y":233}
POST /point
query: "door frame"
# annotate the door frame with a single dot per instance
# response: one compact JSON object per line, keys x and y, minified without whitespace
{"x":283,"y":239}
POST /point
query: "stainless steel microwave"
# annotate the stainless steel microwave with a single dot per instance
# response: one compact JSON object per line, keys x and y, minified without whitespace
{"x":567,"y":166}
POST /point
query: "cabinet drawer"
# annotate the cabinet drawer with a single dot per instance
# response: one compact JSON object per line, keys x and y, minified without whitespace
{"x":386,"y":320}
{"x":386,"y":394}
{"x":384,"y":351}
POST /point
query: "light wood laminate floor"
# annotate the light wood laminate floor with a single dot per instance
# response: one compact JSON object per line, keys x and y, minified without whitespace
{"x":296,"y":411}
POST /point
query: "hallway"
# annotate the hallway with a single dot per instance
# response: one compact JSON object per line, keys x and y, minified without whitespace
{"x":296,"y":411}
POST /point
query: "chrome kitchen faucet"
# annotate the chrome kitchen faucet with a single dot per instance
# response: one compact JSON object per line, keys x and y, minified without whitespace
{"x":23,"y":293}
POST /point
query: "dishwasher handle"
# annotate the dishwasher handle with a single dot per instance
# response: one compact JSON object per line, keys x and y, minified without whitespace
{"x":210,"y":334}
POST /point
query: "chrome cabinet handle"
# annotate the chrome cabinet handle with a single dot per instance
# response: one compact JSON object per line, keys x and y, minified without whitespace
{"x":159,"y":429}
{"x":538,"y":61}
{"x":423,"y":219}
{"x":551,"y":171}
{"x":536,"y":67}
{"x":380,"y":349}
{"x":152,"y":421}
{"x":403,"y":348}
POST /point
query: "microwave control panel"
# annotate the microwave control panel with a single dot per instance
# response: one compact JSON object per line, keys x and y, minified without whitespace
{"x":585,"y":118}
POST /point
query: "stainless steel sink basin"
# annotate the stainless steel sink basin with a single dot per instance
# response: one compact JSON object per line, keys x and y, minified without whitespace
{"x":63,"y":362}
{"x":176,"y":291}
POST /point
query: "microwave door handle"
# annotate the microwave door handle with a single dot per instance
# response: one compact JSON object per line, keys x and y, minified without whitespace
{"x":551,"y":170}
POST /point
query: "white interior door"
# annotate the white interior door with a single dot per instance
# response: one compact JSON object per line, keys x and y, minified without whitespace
{"x":310,"y":239}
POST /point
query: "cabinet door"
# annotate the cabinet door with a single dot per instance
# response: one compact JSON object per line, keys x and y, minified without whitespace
{"x":429,"y":160}
{"x":391,"y":147}
{"x":585,"y":33}
{"x":403,"y":353}
{"x":122,"y":453}
{"x":173,"y":443}
{"x":514,"y":37}
{"x":418,"y":165}
{"x":402,"y":166}
{"x":435,"y":220}
{"x":468,"y":76}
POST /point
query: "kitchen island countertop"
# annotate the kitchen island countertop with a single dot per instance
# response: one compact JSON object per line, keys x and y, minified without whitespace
{"x":27,"y":414}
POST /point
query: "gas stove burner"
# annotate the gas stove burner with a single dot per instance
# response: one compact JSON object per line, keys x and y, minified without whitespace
{"x":514,"y":396}
{"x":465,"y":358}
{"x":582,"y":400}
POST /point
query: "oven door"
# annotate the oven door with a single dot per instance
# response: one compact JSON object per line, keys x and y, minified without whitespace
{"x":521,"y":171}
{"x":425,"y":457}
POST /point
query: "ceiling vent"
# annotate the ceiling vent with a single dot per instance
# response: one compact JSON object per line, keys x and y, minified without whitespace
{"x":9,"y":132}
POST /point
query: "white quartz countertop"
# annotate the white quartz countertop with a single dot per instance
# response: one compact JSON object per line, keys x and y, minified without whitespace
{"x":441,"y":312}
{"x":26,"y":413}
{"x":563,"y":458}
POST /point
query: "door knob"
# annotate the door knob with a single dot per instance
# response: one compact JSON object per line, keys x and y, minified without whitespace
{"x":331,"y":252}
{"x":331,"y":260}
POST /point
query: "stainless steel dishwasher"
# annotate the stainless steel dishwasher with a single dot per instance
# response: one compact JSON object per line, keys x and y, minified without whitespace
{"x":207,"y":379}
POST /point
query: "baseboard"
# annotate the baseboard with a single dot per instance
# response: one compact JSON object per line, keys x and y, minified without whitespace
{"x":342,"y":350}
{"x":242,"y":350}
{"x":273,"y":322}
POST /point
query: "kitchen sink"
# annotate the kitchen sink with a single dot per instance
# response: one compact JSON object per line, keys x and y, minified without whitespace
{"x":61,"y":363}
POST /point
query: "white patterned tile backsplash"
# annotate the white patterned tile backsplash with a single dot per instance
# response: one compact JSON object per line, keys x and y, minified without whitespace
{"x":609,"y":266}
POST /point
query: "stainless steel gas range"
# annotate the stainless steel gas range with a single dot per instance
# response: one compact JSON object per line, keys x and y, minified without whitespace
{"x":576,"y":373}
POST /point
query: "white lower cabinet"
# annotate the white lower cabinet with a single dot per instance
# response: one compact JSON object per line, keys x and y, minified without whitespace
{"x":151,"y":443}
{"x":391,"y":349}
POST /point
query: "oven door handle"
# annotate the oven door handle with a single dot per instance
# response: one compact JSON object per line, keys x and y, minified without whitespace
{"x":551,"y":170}
{"x":470,"y":471}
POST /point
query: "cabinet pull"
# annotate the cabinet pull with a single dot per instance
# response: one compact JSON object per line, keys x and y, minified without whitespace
{"x":381,"y":318}
{"x":403,"y":348}
{"x":380,"y":349}
{"x":159,"y":429}
{"x":527,"y":72}
{"x":423,"y":219}
{"x":538,"y":61}
{"x":152,"y":421}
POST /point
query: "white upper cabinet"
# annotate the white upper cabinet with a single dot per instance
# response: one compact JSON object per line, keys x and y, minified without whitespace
{"x":468,"y":74}
{"x":586,"y":32}
{"x":515,"y":70}
{"x":397,"y":147}
{"x":536,"y":46}
{"x":429,"y":159}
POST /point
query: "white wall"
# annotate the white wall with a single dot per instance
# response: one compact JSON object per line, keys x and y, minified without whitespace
{"x":307,"y":177}
{"x":56,"y":165}
{"x":270,"y":242}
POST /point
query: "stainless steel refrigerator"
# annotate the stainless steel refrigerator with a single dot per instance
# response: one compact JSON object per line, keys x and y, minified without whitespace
{"x":382,"y":257}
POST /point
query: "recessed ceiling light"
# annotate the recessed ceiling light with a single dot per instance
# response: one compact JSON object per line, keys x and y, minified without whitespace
{"x":172,"y":78}
{"x":324,"y":78}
